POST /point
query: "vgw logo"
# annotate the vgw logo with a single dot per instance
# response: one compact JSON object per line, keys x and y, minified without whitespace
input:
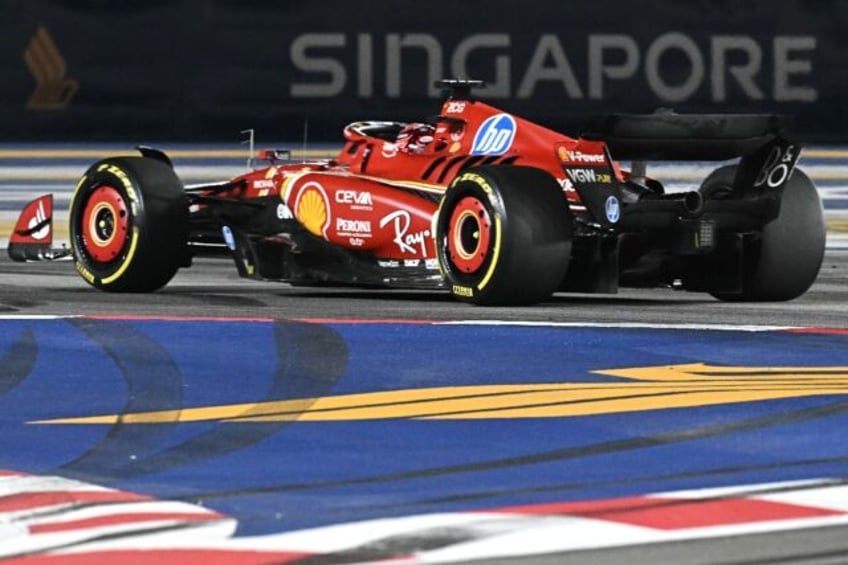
{"x":494,"y":136}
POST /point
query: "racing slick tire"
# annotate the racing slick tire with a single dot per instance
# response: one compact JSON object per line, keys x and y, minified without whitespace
{"x":785,"y":259}
{"x":129,"y":224}
{"x":503,"y":235}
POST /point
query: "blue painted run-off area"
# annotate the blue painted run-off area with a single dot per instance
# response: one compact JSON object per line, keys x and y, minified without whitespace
{"x":297,"y":471}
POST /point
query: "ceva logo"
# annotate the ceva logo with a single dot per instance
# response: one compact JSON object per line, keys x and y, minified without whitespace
{"x":495,"y":135}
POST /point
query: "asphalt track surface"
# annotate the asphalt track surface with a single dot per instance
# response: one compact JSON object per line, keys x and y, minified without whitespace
{"x":212,"y":288}
{"x":343,"y":474}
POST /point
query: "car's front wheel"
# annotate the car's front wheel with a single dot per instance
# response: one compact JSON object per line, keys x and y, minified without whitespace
{"x":128,"y":224}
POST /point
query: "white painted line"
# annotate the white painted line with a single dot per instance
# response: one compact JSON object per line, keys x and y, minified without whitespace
{"x":622,"y":325}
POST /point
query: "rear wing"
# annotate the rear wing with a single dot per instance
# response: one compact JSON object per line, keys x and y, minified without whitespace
{"x":767,"y":157}
{"x":667,"y":136}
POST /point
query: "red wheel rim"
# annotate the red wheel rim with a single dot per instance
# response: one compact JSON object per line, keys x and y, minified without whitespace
{"x":469,"y":232}
{"x":105,"y":222}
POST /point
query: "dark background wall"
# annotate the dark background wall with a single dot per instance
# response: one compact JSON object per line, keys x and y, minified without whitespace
{"x":198,"y":69}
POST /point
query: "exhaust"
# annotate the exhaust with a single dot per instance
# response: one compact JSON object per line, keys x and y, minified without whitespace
{"x":691,"y":203}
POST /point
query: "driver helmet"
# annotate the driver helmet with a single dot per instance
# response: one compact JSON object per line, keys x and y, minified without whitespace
{"x":415,"y":137}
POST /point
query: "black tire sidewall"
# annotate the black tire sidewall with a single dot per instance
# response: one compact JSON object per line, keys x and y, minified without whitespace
{"x":792,"y":246}
{"x":530,"y":216}
{"x":464,"y":285}
{"x":157,"y":219}
{"x":784,"y":260}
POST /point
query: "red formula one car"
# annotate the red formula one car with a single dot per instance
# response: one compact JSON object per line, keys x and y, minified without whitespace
{"x":491,"y":207}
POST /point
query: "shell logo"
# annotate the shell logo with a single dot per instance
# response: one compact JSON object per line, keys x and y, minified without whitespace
{"x":312,"y":208}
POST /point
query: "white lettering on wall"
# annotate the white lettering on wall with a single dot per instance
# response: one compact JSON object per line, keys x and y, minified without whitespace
{"x":778,"y":68}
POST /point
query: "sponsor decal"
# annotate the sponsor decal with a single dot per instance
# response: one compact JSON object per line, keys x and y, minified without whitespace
{"x":361,"y":228}
{"x":454,"y":107}
{"x":581,"y":175}
{"x":777,"y":167}
{"x":411,"y":262}
{"x":356,"y":199}
{"x":84,"y":273}
{"x":458,"y":290}
{"x":263,"y":183}
{"x":495,"y":135}
{"x":283,"y":212}
{"x":228,"y":237}
{"x":53,"y":91}
{"x":38,"y":227}
{"x":312,"y":208}
{"x":581,"y":158}
{"x":584,"y":176}
{"x":566,"y":185}
{"x":476,"y":179}
{"x":401,"y":221}
{"x":122,"y":176}
{"x":613,"y":209}
{"x":357,"y":242}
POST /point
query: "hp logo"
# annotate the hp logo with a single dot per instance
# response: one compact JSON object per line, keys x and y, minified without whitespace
{"x":494,"y":136}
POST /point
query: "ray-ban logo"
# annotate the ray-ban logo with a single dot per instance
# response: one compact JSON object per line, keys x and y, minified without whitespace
{"x":53,"y":91}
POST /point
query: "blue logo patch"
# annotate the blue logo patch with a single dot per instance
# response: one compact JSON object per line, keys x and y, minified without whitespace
{"x":228,"y":237}
{"x":494,"y":136}
{"x":613,"y":209}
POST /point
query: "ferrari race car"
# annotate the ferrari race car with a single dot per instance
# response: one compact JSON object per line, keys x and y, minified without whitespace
{"x":493,"y":208}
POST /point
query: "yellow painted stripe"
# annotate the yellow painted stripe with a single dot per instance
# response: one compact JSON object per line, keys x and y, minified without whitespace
{"x":647,"y":388}
{"x":495,"y":401}
{"x":283,"y":408}
{"x":699,"y":372}
{"x":632,"y":400}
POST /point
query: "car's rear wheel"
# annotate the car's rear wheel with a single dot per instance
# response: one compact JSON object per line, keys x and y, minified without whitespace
{"x":783,"y":261}
{"x":128,"y":224}
{"x":503,"y":235}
